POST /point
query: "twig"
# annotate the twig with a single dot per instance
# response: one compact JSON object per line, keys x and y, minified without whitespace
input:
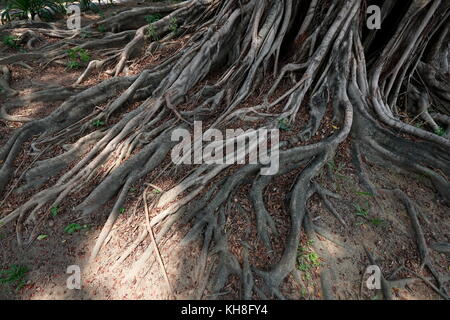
{"x":174,"y":110}
{"x":150,"y":231}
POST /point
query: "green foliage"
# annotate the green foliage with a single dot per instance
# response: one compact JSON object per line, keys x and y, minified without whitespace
{"x":101,"y":14}
{"x":73,"y":65}
{"x":419,"y":125}
{"x":10,"y":41}
{"x":98,"y":123}
{"x":313,"y":258}
{"x":307,"y":259}
{"x":54,"y":211}
{"x":122,"y":210}
{"x":77,"y":57}
{"x":74,"y":227}
{"x":153,"y":18}
{"x":42,"y":237}
{"x":79,"y":53}
{"x":303,"y":293}
{"x":173,"y":26}
{"x":360,"y":211}
{"x":364,"y":213}
{"x":85,"y":34}
{"x":15,"y":275}
{"x":283,"y":124}
{"x":336,"y":169}
{"x":376,"y":222}
{"x":101,"y":28}
{"x":151,"y":31}
{"x":440,"y":131}
{"x":25,"y":9}
{"x":361,"y":193}
{"x":86,"y":5}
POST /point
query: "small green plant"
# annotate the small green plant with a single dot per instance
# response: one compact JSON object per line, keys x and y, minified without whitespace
{"x":336,"y":169}
{"x":156,"y":191}
{"x":173,"y":26}
{"x":313,"y":258}
{"x":42,"y":237}
{"x":86,"y":5}
{"x":283,"y":124}
{"x":101,"y":28}
{"x":440,"y":131}
{"x":98,"y":123}
{"x":74,"y":227}
{"x":376,"y":222}
{"x":15,"y":275}
{"x":83,"y":55}
{"x":153,"y":18}
{"x":303,"y":293}
{"x":378,"y":296}
{"x":151,"y":31}
{"x":122,"y":210}
{"x":303,"y":267}
{"x":85,"y":34}
{"x":307,"y":259}
{"x":77,"y":57}
{"x":360,"y":211}
{"x":54,"y":211}
{"x":307,"y":276}
{"x":11,"y":41}
{"x":419,"y":125}
{"x":73,"y":65}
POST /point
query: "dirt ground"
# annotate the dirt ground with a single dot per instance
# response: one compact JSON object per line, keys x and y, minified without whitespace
{"x":391,"y":241}
{"x":386,"y":231}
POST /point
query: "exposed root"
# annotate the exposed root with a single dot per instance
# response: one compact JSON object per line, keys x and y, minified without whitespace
{"x":331,"y":87}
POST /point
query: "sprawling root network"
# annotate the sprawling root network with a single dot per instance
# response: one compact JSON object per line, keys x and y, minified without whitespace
{"x":321,"y":49}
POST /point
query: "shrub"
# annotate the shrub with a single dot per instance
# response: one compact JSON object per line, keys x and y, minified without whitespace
{"x":24,"y":9}
{"x":77,"y":57}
